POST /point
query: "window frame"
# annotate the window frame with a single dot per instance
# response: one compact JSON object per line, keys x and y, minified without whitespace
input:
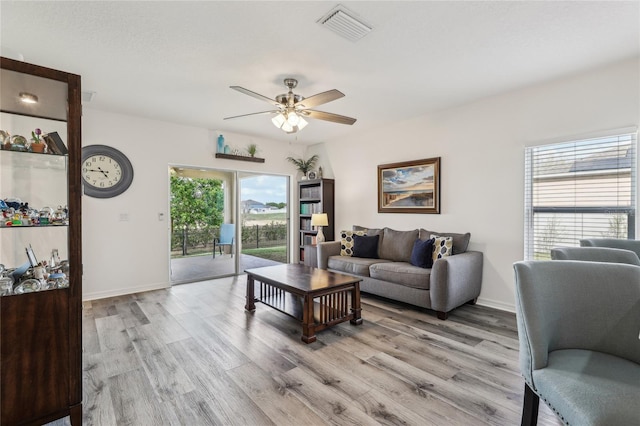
{"x":530,"y":210}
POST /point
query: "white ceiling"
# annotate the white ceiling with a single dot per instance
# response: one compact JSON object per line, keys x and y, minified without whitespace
{"x":175,"y":61}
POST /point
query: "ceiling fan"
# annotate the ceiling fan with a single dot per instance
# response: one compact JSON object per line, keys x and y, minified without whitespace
{"x":293,"y":109}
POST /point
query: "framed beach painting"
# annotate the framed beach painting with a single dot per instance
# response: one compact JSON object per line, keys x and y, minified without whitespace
{"x":409,"y":187}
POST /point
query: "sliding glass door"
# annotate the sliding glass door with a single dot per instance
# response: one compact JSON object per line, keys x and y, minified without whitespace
{"x":264,"y":215}
{"x":223,"y":222}
{"x":203,"y":217}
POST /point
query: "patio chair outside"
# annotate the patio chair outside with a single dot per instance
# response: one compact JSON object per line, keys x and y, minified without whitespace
{"x":226,"y":238}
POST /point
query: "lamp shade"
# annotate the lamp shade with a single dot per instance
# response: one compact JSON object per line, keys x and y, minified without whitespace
{"x":278,"y":121}
{"x":319,"y":219}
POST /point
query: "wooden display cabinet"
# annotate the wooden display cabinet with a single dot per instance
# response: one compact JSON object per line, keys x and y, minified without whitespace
{"x":41,"y":331}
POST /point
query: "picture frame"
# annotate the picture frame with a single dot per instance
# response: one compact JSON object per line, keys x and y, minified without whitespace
{"x":409,"y":187}
{"x":55,"y":144}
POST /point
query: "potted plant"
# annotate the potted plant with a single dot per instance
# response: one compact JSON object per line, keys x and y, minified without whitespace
{"x":304,"y":165}
{"x":37,"y":145}
{"x":252,"y":149}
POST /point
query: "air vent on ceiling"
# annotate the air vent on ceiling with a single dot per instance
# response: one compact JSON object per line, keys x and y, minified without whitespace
{"x":343,"y":23}
{"x":87,"y":96}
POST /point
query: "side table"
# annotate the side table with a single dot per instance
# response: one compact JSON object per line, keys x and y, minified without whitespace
{"x":311,"y":255}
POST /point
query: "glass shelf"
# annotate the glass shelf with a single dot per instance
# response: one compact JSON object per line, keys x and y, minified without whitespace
{"x":2,"y":226}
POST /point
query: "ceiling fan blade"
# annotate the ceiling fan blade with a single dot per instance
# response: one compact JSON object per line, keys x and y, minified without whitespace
{"x":327,"y":116}
{"x":255,"y":95}
{"x":319,"y":99}
{"x":253,"y":113}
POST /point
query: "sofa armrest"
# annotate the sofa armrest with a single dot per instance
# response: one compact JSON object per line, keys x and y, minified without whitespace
{"x":455,"y":280}
{"x":326,"y":249}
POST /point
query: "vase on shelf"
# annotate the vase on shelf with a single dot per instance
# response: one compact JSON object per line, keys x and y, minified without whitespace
{"x":37,"y":147}
{"x":220,"y":148}
{"x":227,"y":149}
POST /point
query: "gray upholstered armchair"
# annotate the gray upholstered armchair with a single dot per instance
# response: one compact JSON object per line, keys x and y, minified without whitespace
{"x":595,"y":254}
{"x":633,"y":245}
{"x":578,"y":327}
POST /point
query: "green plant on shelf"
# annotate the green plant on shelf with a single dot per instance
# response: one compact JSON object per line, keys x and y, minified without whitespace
{"x":304,"y":165}
{"x":252,"y":149}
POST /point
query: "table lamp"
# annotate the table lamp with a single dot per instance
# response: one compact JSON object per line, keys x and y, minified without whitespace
{"x":319,"y":220}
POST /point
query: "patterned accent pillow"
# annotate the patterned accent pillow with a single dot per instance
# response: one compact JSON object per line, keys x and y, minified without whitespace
{"x":442,"y":247}
{"x":346,"y":241}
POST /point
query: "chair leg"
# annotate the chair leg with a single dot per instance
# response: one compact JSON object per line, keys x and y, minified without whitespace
{"x":214,"y":249}
{"x":530,"y":407}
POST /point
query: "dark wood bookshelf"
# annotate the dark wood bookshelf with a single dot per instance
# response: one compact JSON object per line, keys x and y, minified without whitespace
{"x":314,"y":196}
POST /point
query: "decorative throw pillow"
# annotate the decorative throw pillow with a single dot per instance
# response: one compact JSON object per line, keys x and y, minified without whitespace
{"x":346,"y":242}
{"x":365,"y":246}
{"x":442,"y":247}
{"x":422,"y":253}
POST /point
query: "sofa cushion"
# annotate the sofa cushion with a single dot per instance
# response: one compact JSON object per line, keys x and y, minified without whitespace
{"x":401,"y":273}
{"x":442,"y":246}
{"x":460,"y":241}
{"x":397,"y":245}
{"x":422,"y":254}
{"x":352,"y":265}
{"x":371,"y":231}
{"x":346,"y":242}
{"x":589,"y":387}
{"x":365,"y":246}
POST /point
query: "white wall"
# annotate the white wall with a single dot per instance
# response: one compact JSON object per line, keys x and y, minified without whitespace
{"x":481,"y":145}
{"x":121,"y":257}
{"x":482,"y":150}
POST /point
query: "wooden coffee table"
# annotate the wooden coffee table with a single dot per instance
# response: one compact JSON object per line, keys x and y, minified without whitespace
{"x":317,"y":298}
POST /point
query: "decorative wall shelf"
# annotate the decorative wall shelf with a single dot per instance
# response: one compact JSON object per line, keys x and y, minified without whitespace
{"x":240,"y":157}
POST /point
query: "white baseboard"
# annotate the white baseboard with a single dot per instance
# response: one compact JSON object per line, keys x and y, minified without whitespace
{"x":123,"y":291}
{"x":496,"y":304}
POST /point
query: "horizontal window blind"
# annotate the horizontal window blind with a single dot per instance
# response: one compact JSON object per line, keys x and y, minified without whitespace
{"x":579,"y":189}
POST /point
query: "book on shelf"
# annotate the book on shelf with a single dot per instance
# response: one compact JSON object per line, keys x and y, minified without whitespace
{"x":308,"y":240}
{"x":310,"y":192}
{"x":55,"y":144}
{"x":305,"y":224}
{"x":310,"y":208}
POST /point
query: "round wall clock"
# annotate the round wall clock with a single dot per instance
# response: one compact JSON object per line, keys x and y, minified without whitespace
{"x":106,"y":172}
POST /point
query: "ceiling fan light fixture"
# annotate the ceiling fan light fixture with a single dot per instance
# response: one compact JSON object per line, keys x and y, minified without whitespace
{"x":28,"y":98}
{"x":278,"y":120}
{"x":293,"y":118}
{"x":302,"y":123}
{"x":287,"y":127}
{"x":291,"y":113}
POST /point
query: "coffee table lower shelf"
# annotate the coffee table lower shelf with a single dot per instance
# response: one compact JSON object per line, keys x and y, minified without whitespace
{"x":316,"y":310}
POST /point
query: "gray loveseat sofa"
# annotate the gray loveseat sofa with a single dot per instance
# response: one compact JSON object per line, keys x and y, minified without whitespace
{"x":451,"y":281}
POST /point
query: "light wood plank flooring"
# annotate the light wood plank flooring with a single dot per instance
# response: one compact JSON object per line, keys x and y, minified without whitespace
{"x":191,"y":355}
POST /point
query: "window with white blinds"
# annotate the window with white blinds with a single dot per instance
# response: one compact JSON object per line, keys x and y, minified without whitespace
{"x":579,"y":189}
